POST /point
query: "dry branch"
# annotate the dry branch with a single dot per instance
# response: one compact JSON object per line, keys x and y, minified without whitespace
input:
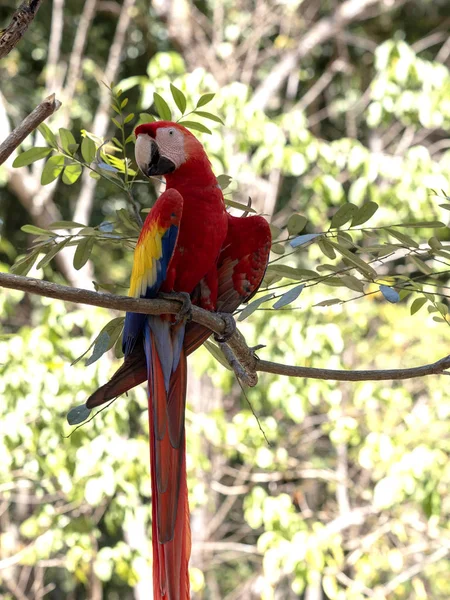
{"x":46,"y":108}
{"x":21,"y":19}
{"x":245,"y":355}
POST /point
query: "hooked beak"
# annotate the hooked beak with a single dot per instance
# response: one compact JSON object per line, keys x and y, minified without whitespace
{"x":149,"y":159}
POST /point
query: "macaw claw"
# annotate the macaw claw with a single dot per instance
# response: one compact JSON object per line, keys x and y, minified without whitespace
{"x":230,"y":328}
{"x":185,"y":313}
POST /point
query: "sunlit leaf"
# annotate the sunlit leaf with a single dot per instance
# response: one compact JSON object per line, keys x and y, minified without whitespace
{"x":328,"y":302}
{"x":417,"y":305}
{"x":67,"y":140}
{"x":420,"y":265}
{"x":71,"y":173}
{"x":88,"y":149}
{"x":207,"y":115}
{"x":65,"y":225}
{"x":355,"y":260}
{"x":278,"y":249}
{"x":179,"y":97}
{"x":162,"y":107}
{"x":34,"y":230}
{"x":52,"y":169}
{"x":48,"y":135}
{"x":195,"y":126}
{"x":402,"y":237}
{"x":23,"y":265}
{"x":30,"y":156}
{"x":327,"y":248}
{"x":353,"y":283}
{"x":205,"y":99}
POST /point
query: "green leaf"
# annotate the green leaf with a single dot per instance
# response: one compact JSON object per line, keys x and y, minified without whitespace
{"x":364,"y":213}
{"x":48,"y":135}
{"x":30,"y":156}
{"x":128,"y":118}
{"x":126,"y":218}
{"x":205,"y":99}
{"x":67,"y":139}
{"x":426,"y":224}
{"x":344,"y":214}
{"x":78,"y":414}
{"x":355,"y":260}
{"x":65,"y":225}
{"x":421,"y":265}
{"x":52,"y":169}
{"x":289,"y":296}
{"x":83,"y":252}
{"x":24,"y":264}
{"x":224,"y":181}
{"x":71,"y":173}
{"x":296,"y":223}
{"x":217,"y":354}
{"x":250,"y":308}
{"x":291,"y":272}
{"x":328,"y":302}
{"x":35,"y":230}
{"x":195,"y":126}
{"x":327,"y":248}
{"x":52,"y":253}
{"x":146,"y":118}
{"x":353,"y":283}
{"x":94,"y":175}
{"x":402,"y":237}
{"x":124,"y":103}
{"x":278,"y":249}
{"x":179,"y":97}
{"x":210,"y":116}
{"x":417,"y":305}
{"x":162,"y":107}
{"x":88,"y":150}
{"x":240,"y":206}
{"x":390,"y":294}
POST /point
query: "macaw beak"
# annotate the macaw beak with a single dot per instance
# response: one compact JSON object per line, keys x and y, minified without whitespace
{"x":149,"y":159}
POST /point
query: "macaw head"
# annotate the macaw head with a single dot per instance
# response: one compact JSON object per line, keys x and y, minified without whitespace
{"x":162,"y":147}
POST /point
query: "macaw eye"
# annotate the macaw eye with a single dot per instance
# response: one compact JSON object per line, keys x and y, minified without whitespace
{"x":170,"y":131}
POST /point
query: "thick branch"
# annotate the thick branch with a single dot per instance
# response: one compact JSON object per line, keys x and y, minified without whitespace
{"x":215,"y":323}
{"x":46,"y":108}
{"x":20,"y":21}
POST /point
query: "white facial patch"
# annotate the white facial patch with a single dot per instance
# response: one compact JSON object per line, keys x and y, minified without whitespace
{"x":142,"y":150}
{"x":171,"y":145}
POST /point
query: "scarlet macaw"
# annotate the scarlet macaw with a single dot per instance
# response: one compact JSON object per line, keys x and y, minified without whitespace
{"x":189,"y":244}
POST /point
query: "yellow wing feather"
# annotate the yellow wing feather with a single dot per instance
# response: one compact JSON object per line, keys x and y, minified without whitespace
{"x":147,"y":252}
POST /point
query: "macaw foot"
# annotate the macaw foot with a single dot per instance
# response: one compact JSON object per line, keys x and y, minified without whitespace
{"x":185,"y":313}
{"x":230,"y":328}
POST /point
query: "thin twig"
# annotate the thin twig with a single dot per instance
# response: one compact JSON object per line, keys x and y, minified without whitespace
{"x":46,"y":108}
{"x":20,"y":22}
{"x":215,"y":323}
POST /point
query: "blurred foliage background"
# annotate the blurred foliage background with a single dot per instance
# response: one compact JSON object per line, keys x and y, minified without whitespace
{"x":324,"y":103}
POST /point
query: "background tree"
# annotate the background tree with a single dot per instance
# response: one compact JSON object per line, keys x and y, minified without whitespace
{"x":326,"y":105}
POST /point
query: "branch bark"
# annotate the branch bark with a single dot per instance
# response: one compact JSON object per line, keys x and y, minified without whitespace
{"x":46,"y":108}
{"x":215,"y":323}
{"x":20,"y":22}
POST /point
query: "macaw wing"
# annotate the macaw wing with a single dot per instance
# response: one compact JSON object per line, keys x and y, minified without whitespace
{"x":153,"y":253}
{"x":240,"y":270}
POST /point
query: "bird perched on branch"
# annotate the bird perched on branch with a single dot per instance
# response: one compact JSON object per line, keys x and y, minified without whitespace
{"x":189,"y":244}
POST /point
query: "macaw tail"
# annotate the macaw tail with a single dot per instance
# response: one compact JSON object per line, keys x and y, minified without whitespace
{"x":171,"y":539}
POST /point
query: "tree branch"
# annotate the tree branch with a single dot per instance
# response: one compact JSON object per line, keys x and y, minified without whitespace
{"x":21,"y":19}
{"x":245,"y":355}
{"x":323,"y":30}
{"x":46,"y":108}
